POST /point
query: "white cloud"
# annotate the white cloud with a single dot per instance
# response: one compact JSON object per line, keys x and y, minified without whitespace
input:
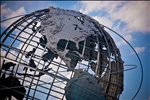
{"x":89,"y":6}
{"x":8,"y":13}
{"x":135,"y":14}
{"x":94,"y":6}
{"x":103,"y":20}
{"x":127,"y":37}
{"x":4,"y":10}
{"x":139,"y":49}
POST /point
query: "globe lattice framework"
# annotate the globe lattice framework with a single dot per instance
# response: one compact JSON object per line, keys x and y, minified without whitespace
{"x":47,"y":54}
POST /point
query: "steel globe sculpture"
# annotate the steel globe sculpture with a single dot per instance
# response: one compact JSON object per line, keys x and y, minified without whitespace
{"x":61,"y":54}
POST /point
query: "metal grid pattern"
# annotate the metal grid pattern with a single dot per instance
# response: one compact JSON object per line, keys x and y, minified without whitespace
{"x":46,"y":79}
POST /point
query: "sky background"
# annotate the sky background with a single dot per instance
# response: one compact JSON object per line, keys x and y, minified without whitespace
{"x":130,"y":19}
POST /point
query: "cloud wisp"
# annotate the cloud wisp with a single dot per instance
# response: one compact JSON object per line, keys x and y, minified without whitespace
{"x":8,"y":13}
{"x":135,"y":15}
{"x":139,"y":49}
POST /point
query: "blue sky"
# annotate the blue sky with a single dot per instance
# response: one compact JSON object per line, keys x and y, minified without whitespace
{"x":130,"y":19}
